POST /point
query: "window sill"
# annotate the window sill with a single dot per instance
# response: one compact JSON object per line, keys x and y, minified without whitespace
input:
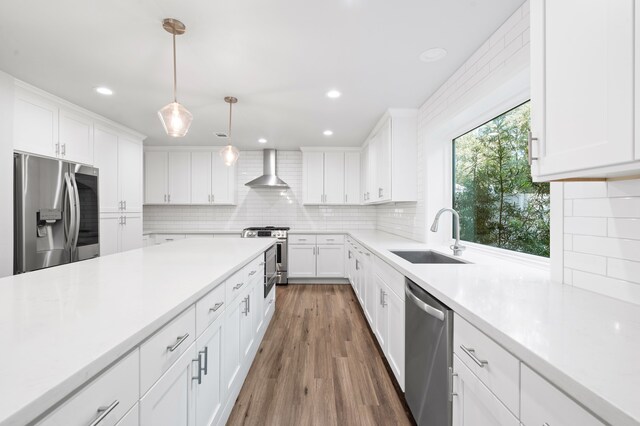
{"x":508,"y":255}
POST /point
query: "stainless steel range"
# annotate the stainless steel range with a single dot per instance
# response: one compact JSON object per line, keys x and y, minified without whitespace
{"x":281,"y":233}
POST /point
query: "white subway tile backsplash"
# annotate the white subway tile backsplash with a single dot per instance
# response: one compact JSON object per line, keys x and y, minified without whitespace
{"x":607,"y":207}
{"x":624,"y":188}
{"x":624,"y":270}
{"x":568,"y":208}
{"x":568,"y":242}
{"x":609,"y":247}
{"x":619,"y":289}
{"x":624,"y":228}
{"x":586,"y":226}
{"x":585,"y":262}
{"x":585,"y":190}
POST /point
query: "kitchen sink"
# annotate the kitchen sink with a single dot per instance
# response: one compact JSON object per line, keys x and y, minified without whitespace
{"x":426,"y":256}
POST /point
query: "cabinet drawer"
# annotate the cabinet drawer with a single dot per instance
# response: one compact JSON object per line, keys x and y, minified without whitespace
{"x":165,"y":347}
{"x":330,"y":239}
{"x":254,"y":271}
{"x":236,"y":283}
{"x":494,"y":366}
{"x":209,"y":308}
{"x":118,"y":387}
{"x":302,"y":239}
{"x":543,"y":403}
{"x":167,"y":238}
{"x":392,"y":278}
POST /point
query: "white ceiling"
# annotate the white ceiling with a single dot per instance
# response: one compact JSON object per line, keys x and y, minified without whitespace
{"x":279,"y":57}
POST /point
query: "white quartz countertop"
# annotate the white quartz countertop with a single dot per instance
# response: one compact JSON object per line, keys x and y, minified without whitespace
{"x":586,"y":344}
{"x":61,"y":326}
{"x":192,"y":231}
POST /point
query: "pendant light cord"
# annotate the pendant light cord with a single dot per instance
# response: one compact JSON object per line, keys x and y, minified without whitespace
{"x":230,"y":112}
{"x":175,"y":77}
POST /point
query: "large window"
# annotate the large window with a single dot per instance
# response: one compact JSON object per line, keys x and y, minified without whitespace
{"x":498,"y":203}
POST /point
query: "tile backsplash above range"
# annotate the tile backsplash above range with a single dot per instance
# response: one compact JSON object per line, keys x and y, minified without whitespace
{"x":262,"y":207}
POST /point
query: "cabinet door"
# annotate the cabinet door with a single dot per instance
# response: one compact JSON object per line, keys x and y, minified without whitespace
{"x":231,"y":351}
{"x":372,"y":173}
{"x":395,"y":334}
{"x":382,"y":314}
{"x":302,"y":261}
{"x":348,"y":262}
{"x":171,"y":402}
{"x":156,"y":167}
{"x":201,"y":177}
{"x":76,"y":137}
{"x":474,"y":404}
{"x":383,"y":162}
{"x":360,"y":275}
{"x":130,"y":174}
{"x":35,"y":126}
{"x":179,"y":178}
{"x":313,"y":177}
{"x":210,"y":393}
{"x":582,"y":103}
{"x":132,"y":418}
{"x":371,"y":293}
{"x":131,"y":232}
{"x":334,"y":178}
{"x":257,"y":306}
{"x":364,"y":174}
{"x":247,"y":332}
{"x":105,"y":154}
{"x":352,"y":178}
{"x":223,"y":182}
{"x":330,"y":261}
{"x":110,"y":225}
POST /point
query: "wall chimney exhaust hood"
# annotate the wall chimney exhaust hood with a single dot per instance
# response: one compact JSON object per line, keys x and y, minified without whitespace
{"x":269,"y":179}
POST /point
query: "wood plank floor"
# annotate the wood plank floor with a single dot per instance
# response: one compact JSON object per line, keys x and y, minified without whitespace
{"x":318,"y":365}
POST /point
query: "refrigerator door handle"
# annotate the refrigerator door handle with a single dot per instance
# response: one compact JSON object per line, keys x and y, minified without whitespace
{"x":77,"y":209}
{"x":70,"y":197}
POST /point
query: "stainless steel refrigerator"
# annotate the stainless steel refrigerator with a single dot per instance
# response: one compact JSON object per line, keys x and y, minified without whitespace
{"x":56,"y":219}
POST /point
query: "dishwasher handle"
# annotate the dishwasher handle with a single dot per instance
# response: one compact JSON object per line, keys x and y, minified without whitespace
{"x":436,"y":313}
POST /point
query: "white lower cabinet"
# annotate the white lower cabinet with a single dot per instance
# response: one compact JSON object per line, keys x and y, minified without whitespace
{"x":302,"y":261}
{"x":210,"y":392}
{"x":171,"y":400}
{"x":473,"y":402}
{"x":382,"y":319}
{"x":316,"y":256}
{"x":247,"y":332}
{"x":109,"y":396}
{"x":231,"y":354}
{"x":330,"y":261}
{"x":394,"y":309}
{"x":543,"y":404}
{"x":132,"y":418}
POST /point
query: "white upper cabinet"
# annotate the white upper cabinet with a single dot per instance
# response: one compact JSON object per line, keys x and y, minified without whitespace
{"x":223,"y":181}
{"x":331,"y":176}
{"x":35,"y":127}
{"x":106,"y":160}
{"x":188,"y":176}
{"x":130,"y":174}
{"x":391,"y":159}
{"x":313,"y":177}
{"x":582,"y":89}
{"x":156,"y":172}
{"x":352,"y":177}
{"x":201,"y":177}
{"x":334,"y":178}
{"x":76,"y":137}
{"x":179,"y":178}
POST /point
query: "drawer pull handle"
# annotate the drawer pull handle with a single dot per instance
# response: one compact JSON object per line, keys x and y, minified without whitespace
{"x":104,"y":412}
{"x":237,"y":286}
{"x":302,"y":239}
{"x":252,"y":272}
{"x":330,"y":239}
{"x":205,"y":352}
{"x":216,"y":307}
{"x":178,"y":342}
{"x":472,"y":354}
{"x":261,"y":264}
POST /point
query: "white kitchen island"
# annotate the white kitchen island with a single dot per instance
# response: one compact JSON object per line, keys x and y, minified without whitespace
{"x":62,"y":327}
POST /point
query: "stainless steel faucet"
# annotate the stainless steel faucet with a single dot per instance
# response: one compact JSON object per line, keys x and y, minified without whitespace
{"x":456,"y":247}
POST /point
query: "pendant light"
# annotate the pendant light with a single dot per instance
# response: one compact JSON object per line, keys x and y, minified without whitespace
{"x":175,"y":118}
{"x":230,"y":153}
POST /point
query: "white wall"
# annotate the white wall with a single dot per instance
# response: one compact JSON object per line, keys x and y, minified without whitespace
{"x":261,"y":207}
{"x":602,"y":237}
{"x":494,"y":79}
{"x":6,"y":174}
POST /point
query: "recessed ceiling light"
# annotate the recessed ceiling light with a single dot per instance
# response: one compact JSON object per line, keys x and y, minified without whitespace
{"x":432,"y":55}
{"x":104,"y":91}
{"x":262,"y":140}
{"x":327,"y":133}
{"x":333,"y":94}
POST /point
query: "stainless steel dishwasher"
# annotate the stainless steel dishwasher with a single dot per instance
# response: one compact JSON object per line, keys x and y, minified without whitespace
{"x":428,"y":357}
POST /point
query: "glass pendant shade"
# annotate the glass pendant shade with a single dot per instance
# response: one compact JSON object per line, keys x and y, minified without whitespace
{"x":176,"y":119}
{"x":229,"y":155}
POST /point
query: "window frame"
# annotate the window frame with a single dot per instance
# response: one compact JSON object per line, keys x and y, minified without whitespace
{"x":473,"y":123}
